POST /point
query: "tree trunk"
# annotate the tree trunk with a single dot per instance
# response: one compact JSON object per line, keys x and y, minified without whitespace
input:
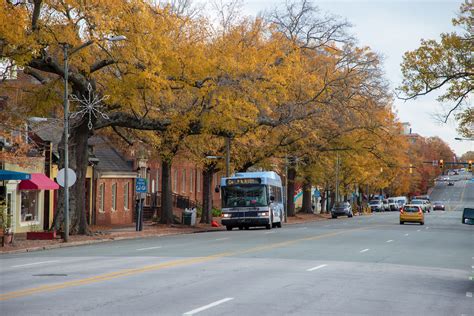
{"x":78,"y":161}
{"x":290,"y":193}
{"x":307,"y":206}
{"x":166,"y":193}
{"x":333,"y":199}
{"x":323,"y":201}
{"x":207,"y":174}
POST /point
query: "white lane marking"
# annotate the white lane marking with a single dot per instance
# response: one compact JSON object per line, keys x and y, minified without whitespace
{"x":330,"y":226}
{"x":200,"y":309}
{"x":316,"y":268}
{"x":149,"y":248}
{"x":427,"y":228}
{"x":34,"y":263}
{"x":269,"y":232}
{"x":469,"y":294}
{"x":407,"y":234}
{"x":419,"y":230}
{"x":304,"y":227}
{"x":367,"y":249}
{"x":225,"y":238}
{"x":389,"y":240}
{"x":472,"y":267}
{"x":470,"y":278}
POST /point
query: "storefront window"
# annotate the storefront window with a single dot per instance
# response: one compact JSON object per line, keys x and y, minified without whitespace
{"x":114,"y":197}
{"x":101,"y":197}
{"x":125,"y":196}
{"x":29,"y":206}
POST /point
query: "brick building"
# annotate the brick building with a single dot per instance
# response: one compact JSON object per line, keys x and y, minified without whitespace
{"x":114,"y":185}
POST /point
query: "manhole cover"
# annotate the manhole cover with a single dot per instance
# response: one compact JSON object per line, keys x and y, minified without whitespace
{"x":50,"y":274}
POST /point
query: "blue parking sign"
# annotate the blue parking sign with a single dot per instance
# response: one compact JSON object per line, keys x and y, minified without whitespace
{"x":140,"y":185}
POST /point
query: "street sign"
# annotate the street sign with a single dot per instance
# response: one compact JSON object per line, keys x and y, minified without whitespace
{"x":140,"y":186}
{"x":71,"y":177}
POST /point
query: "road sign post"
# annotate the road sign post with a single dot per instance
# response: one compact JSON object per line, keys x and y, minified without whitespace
{"x":140,"y":188}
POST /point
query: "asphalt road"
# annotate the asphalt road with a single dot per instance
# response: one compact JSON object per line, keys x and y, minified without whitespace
{"x":367,"y":265}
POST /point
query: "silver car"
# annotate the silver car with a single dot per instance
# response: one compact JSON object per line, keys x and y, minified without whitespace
{"x":341,"y":209}
{"x":424,"y":204}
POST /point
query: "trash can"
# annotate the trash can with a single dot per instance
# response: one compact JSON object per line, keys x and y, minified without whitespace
{"x":187,"y":217}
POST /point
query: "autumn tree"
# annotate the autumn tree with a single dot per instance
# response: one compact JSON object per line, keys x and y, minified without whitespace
{"x":127,"y":71}
{"x":446,"y":66}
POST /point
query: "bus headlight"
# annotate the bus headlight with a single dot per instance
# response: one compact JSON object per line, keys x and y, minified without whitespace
{"x":226,"y":215}
{"x":263,"y":214}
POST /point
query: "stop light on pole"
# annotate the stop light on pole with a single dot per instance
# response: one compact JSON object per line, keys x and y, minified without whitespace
{"x":441,"y":164}
{"x":469,"y":165}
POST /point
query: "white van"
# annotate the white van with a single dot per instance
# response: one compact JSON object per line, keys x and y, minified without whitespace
{"x":401,"y":200}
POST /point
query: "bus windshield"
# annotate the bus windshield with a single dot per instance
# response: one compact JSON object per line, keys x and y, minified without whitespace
{"x":244,"y":195}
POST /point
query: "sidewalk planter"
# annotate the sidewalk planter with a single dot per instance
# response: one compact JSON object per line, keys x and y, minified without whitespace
{"x":41,"y":235}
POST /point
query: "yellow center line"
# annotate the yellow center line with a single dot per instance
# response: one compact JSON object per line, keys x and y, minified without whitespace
{"x":169,"y":264}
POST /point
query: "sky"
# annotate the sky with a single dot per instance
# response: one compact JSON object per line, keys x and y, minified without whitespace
{"x":390,"y":28}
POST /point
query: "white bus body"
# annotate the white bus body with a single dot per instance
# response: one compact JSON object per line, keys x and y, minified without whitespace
{"x":252,"y":199}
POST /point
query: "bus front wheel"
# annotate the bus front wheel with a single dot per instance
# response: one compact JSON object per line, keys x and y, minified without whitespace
{"x":229,"y":227}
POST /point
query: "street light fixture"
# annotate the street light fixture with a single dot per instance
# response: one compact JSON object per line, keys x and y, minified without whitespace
{"x":227,"y":157}
{"x":66,"y":46}
{"x":461,"y":139}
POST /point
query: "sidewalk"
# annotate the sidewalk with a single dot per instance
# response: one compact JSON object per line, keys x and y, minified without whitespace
{"x":105,"y":234}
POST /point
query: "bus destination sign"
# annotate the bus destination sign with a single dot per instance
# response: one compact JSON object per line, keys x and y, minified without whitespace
{"x":243,"y":181}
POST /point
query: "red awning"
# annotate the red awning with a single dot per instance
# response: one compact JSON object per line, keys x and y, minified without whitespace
{"x":38,"y":181}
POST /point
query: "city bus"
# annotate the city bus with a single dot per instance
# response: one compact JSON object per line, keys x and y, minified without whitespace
{"x":251,"y":199}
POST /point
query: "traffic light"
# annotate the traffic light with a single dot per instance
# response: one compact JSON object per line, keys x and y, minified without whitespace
{"x":441,"y":164}
{"x":469,"y":165}
{"x":411,"y":168}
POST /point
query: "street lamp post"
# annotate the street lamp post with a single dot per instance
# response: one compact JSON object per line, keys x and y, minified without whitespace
{"x":66,"y":145}
{"x":337,"y":177}
{"x":66,"y":124}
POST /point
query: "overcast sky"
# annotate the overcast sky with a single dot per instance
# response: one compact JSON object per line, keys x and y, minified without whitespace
{"x":390,"y":28}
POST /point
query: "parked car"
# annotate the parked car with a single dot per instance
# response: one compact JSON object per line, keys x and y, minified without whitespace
{"x":450,"y":183}
{"x":341,"y":209}
{"x":393,"y":204}
{"x":438,"y":206}
{"x":423,"y":204}
{"x":412,"y":213}
{"x":468,"y":216}
{"x":386,"y":206}
{"x":376,"y":205}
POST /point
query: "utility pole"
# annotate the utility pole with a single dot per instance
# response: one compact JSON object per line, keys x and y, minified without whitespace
{"x":337,"y":177}
{"x":66,"y":145}
{"x":285,"y":191}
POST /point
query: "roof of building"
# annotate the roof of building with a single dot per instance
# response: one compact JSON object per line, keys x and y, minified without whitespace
{"x":50,"y":130}
{"x":109,"y":158}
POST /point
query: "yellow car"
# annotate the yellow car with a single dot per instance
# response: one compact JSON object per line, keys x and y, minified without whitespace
{"x":412,"y":213}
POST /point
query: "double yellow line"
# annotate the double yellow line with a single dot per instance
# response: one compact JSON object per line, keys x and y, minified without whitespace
{"x":160,"y":266}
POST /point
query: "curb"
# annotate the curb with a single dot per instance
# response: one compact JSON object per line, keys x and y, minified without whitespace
{"x":98,"y":241}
